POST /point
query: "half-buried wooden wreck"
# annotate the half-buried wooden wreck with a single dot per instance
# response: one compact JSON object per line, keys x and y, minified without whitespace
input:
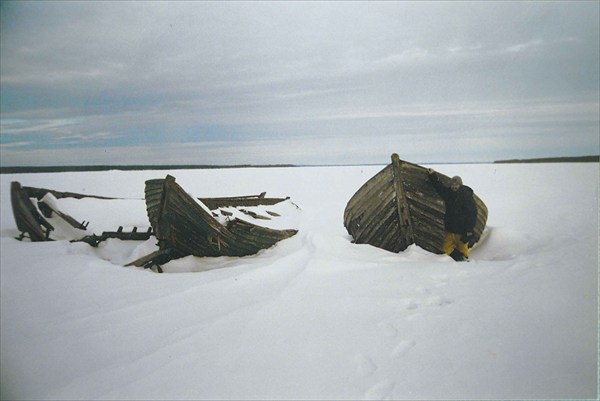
{"x":398,"y":207}
{"x":185,"y":226}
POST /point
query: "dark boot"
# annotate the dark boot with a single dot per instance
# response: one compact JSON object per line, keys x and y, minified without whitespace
{"x":457,"y":256}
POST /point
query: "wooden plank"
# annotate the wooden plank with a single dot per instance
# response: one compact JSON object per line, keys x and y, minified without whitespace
{"x":239,"y":201}
{"x":133,"y":235}
{"x":370,"y":230}
{"x":366,"y":191}
{"x":372,"y":214}
{"x":39,"y":193}
{"x":368,"y":201}
{"x":388,"y":235}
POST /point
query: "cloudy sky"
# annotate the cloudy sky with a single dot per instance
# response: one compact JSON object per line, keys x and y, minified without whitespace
{"x":297,"y":82}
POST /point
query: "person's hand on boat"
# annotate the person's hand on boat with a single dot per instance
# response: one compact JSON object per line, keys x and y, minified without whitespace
{"x":467,"y":237}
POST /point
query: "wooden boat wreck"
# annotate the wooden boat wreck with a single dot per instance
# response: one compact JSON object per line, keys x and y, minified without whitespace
{"x":182,"y":224}
{"x":398,"y":207}
{"x":31,"y":210}
{"x":185,"y":226}
{"x":30,"y":221}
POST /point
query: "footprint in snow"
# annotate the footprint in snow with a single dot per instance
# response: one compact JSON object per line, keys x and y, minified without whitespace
{"x":380,"y":391}
{"x":423,"y":290}
{"x":388,"y":329}
{"x":403,"y":347}
{"x":364,"y":365}
{"x":438,"y":301}
{"x":411,"y":304}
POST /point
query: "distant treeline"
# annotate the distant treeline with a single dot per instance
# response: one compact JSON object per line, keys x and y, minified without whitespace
{"x":578,"y":159}
{"x":63,"y":169}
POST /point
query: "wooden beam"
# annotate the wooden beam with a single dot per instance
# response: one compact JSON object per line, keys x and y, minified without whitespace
{"x":407,"y":236}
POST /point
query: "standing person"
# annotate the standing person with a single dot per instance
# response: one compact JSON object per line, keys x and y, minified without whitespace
{"x":460,"y":217}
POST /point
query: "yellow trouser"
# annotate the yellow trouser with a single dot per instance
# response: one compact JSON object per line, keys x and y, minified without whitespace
{"x":452,"y":241}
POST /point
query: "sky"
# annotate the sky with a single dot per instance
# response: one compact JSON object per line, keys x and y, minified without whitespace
{"x":227,"y":83}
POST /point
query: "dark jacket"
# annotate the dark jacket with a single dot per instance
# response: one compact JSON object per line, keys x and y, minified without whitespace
{"x":461,"y":211}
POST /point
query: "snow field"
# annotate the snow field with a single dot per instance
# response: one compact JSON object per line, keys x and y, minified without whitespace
{"x":315,"y":317}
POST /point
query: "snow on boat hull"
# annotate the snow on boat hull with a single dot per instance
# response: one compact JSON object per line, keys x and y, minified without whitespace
{"x":184,"y":227}
{"x":398,"y":207}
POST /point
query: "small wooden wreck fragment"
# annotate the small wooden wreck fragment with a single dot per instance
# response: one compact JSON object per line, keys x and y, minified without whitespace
{"x":236,"y":201}
{"x":184,"y":227}
{"x":133,"y":235}
{"x":29,"y":220}
{"x":398,"y":207}
{"x":254,"y":214}
{"x":27,"y":215}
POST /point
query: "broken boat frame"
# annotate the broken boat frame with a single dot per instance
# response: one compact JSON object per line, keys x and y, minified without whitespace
{"x":184,"y":227}
{"x":33,"y":224}
{"x":179,"y":222}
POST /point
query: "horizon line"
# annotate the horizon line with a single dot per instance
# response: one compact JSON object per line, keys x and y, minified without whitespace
{"x":127,"y":167}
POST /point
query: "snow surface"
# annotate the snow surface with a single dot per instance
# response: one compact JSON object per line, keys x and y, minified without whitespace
{"x":314,"y":317}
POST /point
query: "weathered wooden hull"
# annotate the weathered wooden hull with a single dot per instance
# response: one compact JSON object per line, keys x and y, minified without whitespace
{"x":398,"y":207}
{"x":184,"y":227}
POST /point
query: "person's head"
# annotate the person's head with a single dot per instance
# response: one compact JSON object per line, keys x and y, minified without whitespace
{"x":455,"y":183}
